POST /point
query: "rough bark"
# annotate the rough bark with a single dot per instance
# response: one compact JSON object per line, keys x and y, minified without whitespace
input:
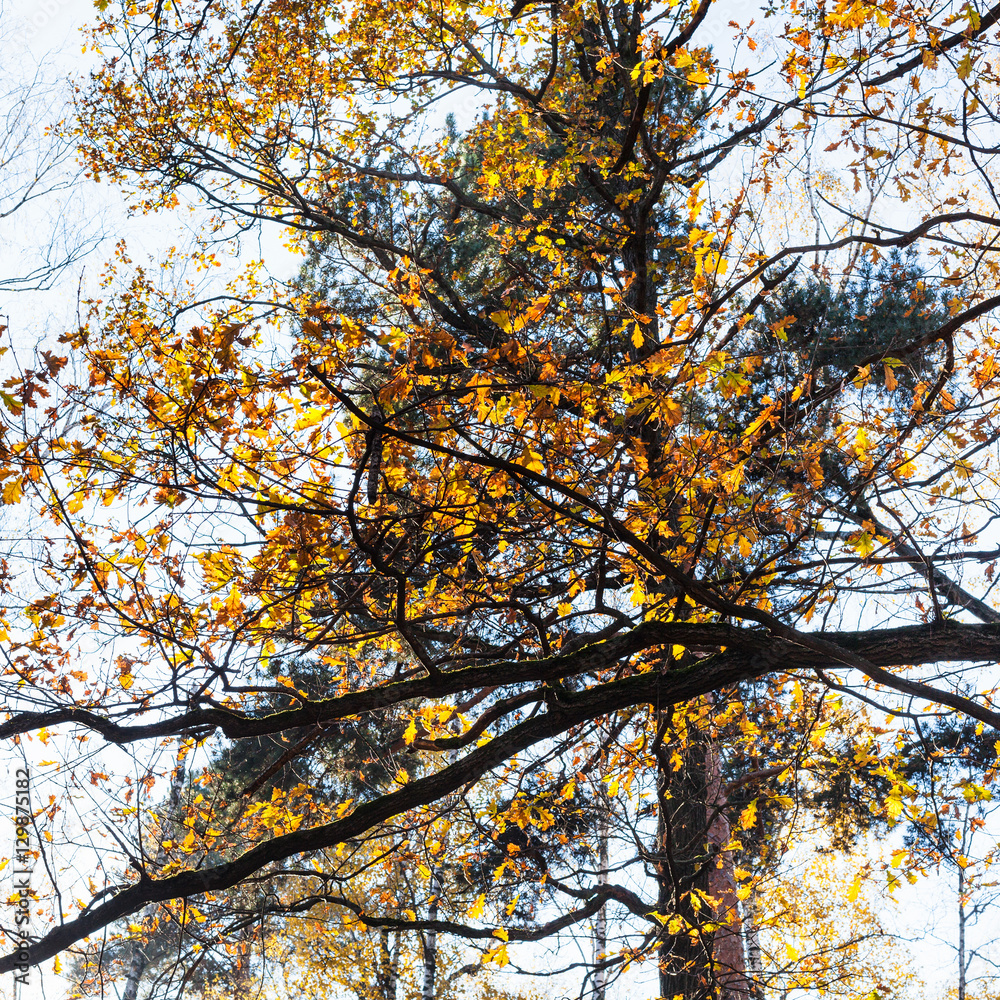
{"x":746,"y":648}
{"x":682,"y":868}
{"x":749,"y":653}
{"x":727,"y":945}
{"x":693,"y":866}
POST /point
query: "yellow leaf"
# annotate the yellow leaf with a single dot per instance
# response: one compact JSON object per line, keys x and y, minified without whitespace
{"x":780,"y":328}
{"x":497,"y":955}
{"x":732,"y":479}
{"x":852,"y":893}
{"x":12,"y":492}
{"x":502,"y":320}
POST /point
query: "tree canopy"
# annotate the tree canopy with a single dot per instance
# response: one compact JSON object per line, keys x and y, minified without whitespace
{"x":613,"y":485}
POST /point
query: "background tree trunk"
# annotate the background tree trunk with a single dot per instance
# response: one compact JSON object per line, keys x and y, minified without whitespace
{"x":388,"y":973}
{"x":430,"y":943}
{"x":601,"y":920}
{"x":692,"y":864}
{"x":961,"y":933}
{"x":685,"y":954}
{"x":727,"y":944}
{"x":755,"y":966}
{"x":139,"y":960}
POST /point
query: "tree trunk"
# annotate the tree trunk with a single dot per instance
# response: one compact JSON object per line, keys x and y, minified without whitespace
{"x":139,"y":961}
{"x":601,"y":921}
{"x":390,"y":952}
{"x":430,"y":943}
{"x":727,"y":944}
{"x":961,"y":933}
{"x":394,"y":967}
{"x":239,"y":981}
{"x":389,"y":964}
{"x":685,"y":958}
{"x":692,"y":864}
{"x":755,"y":966}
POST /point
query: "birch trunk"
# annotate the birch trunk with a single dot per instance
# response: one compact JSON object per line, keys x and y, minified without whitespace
{"x":961,"y":933}
{"x":389,"y":972}
{"x":601,"y":921}
{"x":755,"y":966}
{"x":430,"y":943}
